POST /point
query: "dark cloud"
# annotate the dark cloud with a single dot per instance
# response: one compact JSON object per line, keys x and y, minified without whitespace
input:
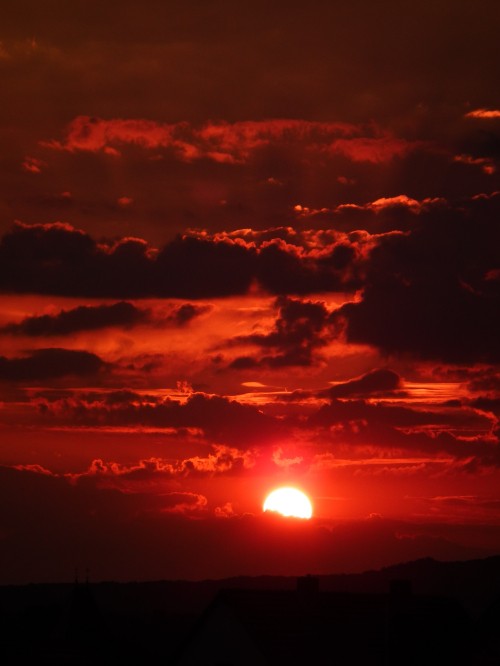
{"x":376,"y":382}
{"x":281,"y":270}
{"x":345,"y":411}
{"x":491,"y":405}
{"x":83,"y":318}
{"x":431,"y":293}
{"x":193,"y":267}
{"x":183,"y":314}
{"x":452,"y":452}
{"x":57,"y":259}
{"x":301,"y":329}
{"x":486,"y":382}
{"x":45,"y":364}
{"x":95,"y":317}
{"x":221,"y":419}
{"x":119,"y":397}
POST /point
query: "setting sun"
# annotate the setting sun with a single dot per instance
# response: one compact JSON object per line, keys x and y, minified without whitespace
{"x":289,"y":502}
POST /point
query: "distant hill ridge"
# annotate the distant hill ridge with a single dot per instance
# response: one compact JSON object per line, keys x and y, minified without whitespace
{"x":475,"y":583}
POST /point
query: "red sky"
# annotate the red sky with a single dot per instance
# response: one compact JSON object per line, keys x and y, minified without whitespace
{"x":244,"y":247}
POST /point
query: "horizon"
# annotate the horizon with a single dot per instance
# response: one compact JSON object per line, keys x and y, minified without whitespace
{"x":87,"y":580}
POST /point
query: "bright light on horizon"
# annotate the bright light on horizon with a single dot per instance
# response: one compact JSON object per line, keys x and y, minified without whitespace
{"x":289,"y":502}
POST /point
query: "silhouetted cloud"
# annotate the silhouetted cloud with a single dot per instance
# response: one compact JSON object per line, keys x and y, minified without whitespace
{"x":487,"y":382}
{"x":378,"y":382}
{"x":94,"y":317}
{"x":220,"y":418}
{"x":193,"y":267}
{"x":58,"y":259}
{"x":44,"y":364}
{"x":428,"y":293}
{"x":82,"y":318}
{"x":301,"y":328}
{"x":350,"y":411}
{"x":183,"y":314}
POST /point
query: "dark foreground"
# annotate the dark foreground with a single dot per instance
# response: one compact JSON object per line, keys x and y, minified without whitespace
{"x":423,"y":612}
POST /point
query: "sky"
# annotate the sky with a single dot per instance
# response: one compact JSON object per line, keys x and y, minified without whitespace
{"x":245,"y":246}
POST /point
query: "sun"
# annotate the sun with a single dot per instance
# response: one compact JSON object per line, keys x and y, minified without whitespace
{"x":289,"y":502}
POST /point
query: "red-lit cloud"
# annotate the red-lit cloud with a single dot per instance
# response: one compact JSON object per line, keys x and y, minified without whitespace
{"x":489,"y":114}
{"x":377,"y":150}
{"x":230,"y":143}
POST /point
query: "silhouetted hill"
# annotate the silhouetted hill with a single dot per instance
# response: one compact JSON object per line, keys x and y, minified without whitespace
{"x":475,"y":583}
{"x":36,"y":620}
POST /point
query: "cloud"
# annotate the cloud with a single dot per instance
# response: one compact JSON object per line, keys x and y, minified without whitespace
{"x":301,"y":328}
{"x":184,"y":503}
{"x":376,"y":382}
{"x":225,"y":511}
{"x":124,"y":201}
{"x":489,"y":114}
{"x":58,"y":259}
{"x":376,"y":150}
{"x":417,"y":287}
{"x":181,"y":315}
{"x":95,"y":317}
{"x":44,"y":364}
{"x":357,"y":429}
{"x":197,"y":267}
{"x":283,"y":268}
{"x":33,"y":165}
{"x":486,"y":164}
{"x":153,"y":472}
{"x":463,"y":501}
{"x":350,"y":411}
{"x":82,"y":318}
{"x":486,"y":382}
{"x":403,"y":201}
{"x":231,"y":143}
{"x":94,"y":134}
{"x":221,"y":419}
{"x":427,"y":294}
{"x":398,"y":208}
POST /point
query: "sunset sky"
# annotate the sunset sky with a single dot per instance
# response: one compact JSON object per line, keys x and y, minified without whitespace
{"x":244,"y":246}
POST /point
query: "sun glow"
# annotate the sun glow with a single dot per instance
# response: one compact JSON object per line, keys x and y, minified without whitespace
{"x":289,"y":502}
